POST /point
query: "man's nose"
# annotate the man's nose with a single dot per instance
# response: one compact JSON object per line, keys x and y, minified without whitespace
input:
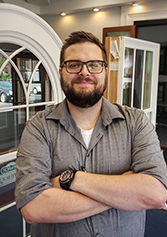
{"x":84,"y":70}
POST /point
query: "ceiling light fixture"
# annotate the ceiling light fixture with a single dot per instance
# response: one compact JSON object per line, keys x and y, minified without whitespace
{"x":63,"y":14}
{"x":95,"y":9}
{"x":135,"y":4}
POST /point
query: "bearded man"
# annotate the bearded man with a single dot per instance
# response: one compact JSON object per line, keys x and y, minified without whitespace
{"x":96,"y":167}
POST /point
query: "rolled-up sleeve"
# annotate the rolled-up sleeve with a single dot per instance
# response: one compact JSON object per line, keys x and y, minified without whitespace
{"x":147,"y":156}
{"x":33,"y":161}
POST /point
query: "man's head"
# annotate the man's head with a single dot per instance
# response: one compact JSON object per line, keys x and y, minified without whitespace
{"x":81,"y":37}
{"x":83,"y":69}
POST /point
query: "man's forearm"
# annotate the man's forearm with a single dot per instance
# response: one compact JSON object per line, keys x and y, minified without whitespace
{"x":131,"y":192}
{"x":59,"y":206}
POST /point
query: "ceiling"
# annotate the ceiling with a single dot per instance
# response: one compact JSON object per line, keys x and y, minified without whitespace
{"x":50,"y":7}
{"x":39,"y":2}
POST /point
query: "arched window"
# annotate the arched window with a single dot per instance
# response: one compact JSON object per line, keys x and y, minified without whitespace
{"x":29,"y":82}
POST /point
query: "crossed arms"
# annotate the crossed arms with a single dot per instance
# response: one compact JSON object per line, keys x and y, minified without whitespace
{"x":93,"y":194}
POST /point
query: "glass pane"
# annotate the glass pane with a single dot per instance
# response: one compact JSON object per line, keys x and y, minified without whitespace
{"x":138,"y":78}
{"x":2,"y":59}
{"x":119,"y":33}
{"x":127,"y":80}
{"x":18,"y":91}
{"x":11,"y":127}
{"x":6,"y":92}
{"x":40,"y":88}
{"x":7,"y":182}
{"x":26,"y":66}
{"x":10,"y":87}
{"x":147,"y":80}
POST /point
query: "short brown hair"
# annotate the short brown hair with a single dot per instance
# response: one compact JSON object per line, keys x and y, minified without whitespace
{"x":81,"y":37}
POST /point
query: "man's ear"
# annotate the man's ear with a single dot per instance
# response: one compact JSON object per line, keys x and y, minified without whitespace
{"x":107,"y":70}
{"x":60,"y":70}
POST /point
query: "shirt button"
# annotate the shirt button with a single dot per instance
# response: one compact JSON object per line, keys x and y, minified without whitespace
{"x":97,"y":235}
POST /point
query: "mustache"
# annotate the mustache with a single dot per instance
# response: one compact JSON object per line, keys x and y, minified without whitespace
{"x":80,"y":79}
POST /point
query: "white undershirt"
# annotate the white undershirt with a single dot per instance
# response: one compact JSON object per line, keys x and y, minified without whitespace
{"x":86,"y":134}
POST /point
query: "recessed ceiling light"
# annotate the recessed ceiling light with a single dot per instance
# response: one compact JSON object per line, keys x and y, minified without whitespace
{"x":63,"y":14}
{"x":135,"y":4}
{"x":95,"y":9}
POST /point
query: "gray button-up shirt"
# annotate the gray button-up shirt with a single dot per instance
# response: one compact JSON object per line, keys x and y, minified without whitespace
{"x":122,"y":140}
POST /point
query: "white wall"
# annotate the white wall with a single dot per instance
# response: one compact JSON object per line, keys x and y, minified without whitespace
{"x":107,"y":17}
{"x":85,"y":20}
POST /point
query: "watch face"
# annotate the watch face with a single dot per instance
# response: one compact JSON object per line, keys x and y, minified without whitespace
{"x":65,"y":175}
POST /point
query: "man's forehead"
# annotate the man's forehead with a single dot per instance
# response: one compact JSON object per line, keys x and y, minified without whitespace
{"x":84,"y":48}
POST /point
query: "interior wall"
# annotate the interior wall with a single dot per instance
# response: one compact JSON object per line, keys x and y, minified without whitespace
{"x":85,"y":20}
{"x":107,"y":17}
{"x":150,"y":10}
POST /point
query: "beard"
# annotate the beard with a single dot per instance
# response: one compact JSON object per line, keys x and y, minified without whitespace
{"x":82,"y":98}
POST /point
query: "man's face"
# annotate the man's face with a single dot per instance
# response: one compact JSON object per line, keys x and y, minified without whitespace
{"x":83,"y":89}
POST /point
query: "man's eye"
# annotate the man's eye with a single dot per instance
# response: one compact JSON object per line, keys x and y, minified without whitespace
{"x":94,"y":65}
{"x":74,"y":65}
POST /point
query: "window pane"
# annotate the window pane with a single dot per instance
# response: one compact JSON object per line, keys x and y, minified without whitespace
{"x":40,"y":87}
{"x":11,"y":127}
{"x":127,"y":81}
{"x":118,"y":33}
{"x":6,"y":90}
{"x":138,"y":78}
{"x":7,"y":182}
{"x":147,"y":80}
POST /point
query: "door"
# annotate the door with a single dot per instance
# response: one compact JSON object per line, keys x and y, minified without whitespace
{"x":133,"y":73}
{"x":129,"y":31}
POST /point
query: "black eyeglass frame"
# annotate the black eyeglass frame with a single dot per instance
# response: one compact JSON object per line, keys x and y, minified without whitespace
{"x":84,"y":63}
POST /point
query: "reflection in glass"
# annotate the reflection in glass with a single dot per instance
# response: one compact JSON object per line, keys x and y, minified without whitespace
{"x":11,"y":127}
{"x":40,"y":87}
{"x":118,"y":33}
{"x":6,"y":91}
{"x":18,"y":91}
{"x":23,"y":82}
{"x":26,"y":66}
{"x":138,"y":78}
{"x":127,"y":81}
{"x":147,"y":80}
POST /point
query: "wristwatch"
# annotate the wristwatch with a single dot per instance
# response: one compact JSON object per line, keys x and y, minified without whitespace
{"x":66,"y":178}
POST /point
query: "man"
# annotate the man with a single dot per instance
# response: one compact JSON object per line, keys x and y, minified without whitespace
{"x":86,"y":167}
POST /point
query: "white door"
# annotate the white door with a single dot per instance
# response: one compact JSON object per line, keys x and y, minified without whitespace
{"x":29,"y":82}
{"x":138,"y":75}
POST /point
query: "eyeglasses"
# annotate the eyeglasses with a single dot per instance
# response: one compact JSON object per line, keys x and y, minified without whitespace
{"x":75,"y":66}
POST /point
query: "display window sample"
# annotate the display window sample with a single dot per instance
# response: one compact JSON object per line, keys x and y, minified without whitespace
{"x":29,"y":82}
{"x":25,"y":89}
{"x":141,"y":82}
{"x":133,"y":73}
{"x":24,"y":85}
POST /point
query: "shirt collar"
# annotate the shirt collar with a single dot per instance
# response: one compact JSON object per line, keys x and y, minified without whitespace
{"x":109,"y":113}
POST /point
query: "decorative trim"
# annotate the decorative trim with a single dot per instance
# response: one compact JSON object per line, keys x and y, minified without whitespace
{"x":130,"y":18}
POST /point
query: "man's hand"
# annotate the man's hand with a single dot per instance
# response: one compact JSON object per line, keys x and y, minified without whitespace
{"x":128,"y":172}
{"x":55,"y":182}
